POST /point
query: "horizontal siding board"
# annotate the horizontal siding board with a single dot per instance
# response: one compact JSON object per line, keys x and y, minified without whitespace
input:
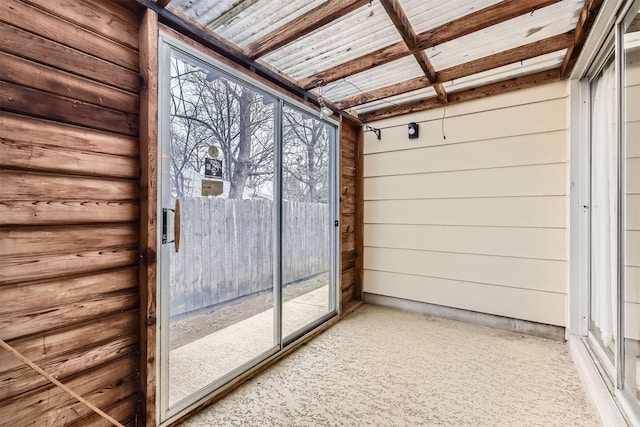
{"x":32,"y":102}
{"x":631,"y":324}
{"x":18,"y":14}
{"x":539,"y":180}
{"x":44,"y":241}
{"x":535,"y":306}
{"x":632,"y":282}
{"x":34,"y":296}
{"x":632,"y":170}
{"x":27,"y":73}
{"x":59,"y":56}
{"x":31,"y":322}
{"x":102,"y":17}
{"x":46,"y":345}
{"x":541,"y":93}
{"x":541,"y":243}
{"x":523,"y":273}
{"x":36,"y":186}
{"x":540,"y":117}
{"x":28,"y":267}
{"x":519,"y":150}
{"x":632,"y":217}
{"x":43,"y":212}
{"x":507,"y":212}
{"x":26,"y":155}
{"x":632,"y":150}
{"x":123,"y":410}
{"x":632,"y":248}
{"x":50,"y":134}
{"x":24,"y":378}
{"x":107,"y":384}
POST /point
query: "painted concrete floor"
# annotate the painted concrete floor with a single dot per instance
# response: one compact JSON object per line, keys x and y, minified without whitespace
{"x":384,"y":367}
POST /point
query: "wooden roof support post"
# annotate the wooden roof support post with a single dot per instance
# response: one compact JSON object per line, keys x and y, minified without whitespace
{"x":148,"y":209}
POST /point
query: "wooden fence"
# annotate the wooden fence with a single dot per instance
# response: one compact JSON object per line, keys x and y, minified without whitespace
{"x":227,"y":249}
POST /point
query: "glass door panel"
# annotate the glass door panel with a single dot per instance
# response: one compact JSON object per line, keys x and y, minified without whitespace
{"x":631,"y":229}
{"x":307,"y":293}
{"x":604,"y":215}
{"x":218,"y":200}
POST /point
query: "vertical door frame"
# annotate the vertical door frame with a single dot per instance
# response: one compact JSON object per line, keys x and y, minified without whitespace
{"x":166,"y":40}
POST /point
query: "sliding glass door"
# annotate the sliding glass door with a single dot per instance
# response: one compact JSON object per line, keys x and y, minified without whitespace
{"x":247,"y":233}
{"x":614,"y":315}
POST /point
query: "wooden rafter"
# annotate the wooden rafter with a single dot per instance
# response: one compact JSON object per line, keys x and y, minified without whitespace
{"x":409,"y":36}
{"x":587,"y":17}
{"x":521,"y":53}
{"x":164,"y":3}
{"x":465,"y":95}
{"x":492,"y":15}
{"x":308,"y":22}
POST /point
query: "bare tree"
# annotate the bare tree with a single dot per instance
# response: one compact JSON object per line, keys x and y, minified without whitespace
{"x":210,"y":109}
{"x":305,"y":158}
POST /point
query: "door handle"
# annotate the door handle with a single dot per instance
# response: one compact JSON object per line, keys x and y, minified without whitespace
{"x":176,"y":226}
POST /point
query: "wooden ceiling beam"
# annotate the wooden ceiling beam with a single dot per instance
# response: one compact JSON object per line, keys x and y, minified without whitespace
{"x":510,"y":56}
{"x":304,"y":24}
{"x":409,"y":36}
{"x":164,"y":3}
{"x":384,"y":92}
{"x":476,"y":21}
{"x":521,"y":53}
{"x":504,"y":86}
{"x":492,"y":15}
{"x":588,"y":16}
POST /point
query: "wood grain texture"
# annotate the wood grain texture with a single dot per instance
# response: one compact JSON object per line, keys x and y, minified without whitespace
{"x":34,"y":321}
{"x":466,"y":95}
{"x":32,"y":102}
{"x":69,"y":206}
{"x":60,"y":56}
{"x":48,"y":133}
{"x":148,"y":242}
{"x":304,"y":24}
{"x":105,"y":385}
{"x":492,"y":15}
{"x":27,"y":73}
{"x":36,"y":21}
{"x":45,"y":345}
{"x":106,"y":18}
{"x":350,"y":232}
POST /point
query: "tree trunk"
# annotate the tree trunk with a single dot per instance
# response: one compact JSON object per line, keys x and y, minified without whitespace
{"x":242,"y":162}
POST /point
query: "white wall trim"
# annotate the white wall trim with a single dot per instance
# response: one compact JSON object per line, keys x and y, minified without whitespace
{"x":552,"y":332}
{"x":603,"y":401}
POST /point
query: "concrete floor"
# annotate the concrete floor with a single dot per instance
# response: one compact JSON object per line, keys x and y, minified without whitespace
{"x":201,"y":362}
{"x":383,"y":367}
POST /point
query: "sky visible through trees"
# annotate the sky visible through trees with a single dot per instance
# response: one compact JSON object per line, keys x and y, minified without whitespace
{"x":209,"y":108}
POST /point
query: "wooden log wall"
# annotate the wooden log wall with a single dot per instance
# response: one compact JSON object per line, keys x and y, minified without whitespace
{"x":69,"y":210}
{"x":351,"y":211}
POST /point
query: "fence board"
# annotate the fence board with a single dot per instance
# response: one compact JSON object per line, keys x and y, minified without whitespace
{"x":226,"y":250}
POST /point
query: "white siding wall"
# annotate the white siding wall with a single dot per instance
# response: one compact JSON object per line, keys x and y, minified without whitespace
{"x":476,"y":221}
{"x":632,"y":213}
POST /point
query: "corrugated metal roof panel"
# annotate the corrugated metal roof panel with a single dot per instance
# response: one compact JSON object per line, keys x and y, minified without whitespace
{"x":242,"y":22}
{"x":427,"y":14}
{"x":360,"y":32}
{"x":384,"y":75}
{"x":549,"y":21}
{"x":398,"y":100}
{"x":530,"y":66}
